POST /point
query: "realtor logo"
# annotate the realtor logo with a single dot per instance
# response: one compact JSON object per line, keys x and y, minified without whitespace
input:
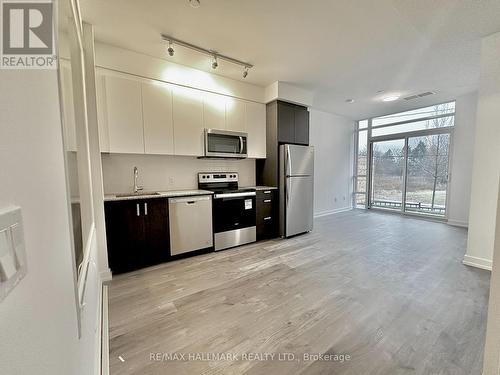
{"x":27,"y":35}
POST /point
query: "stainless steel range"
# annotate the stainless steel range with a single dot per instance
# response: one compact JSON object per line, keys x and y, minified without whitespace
{"x":233,"y":209}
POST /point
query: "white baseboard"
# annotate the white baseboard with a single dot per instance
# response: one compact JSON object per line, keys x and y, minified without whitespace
{"x":482,"y":263}
{"x":458,"y":223}
{"x":331,"y":212}
{"x":105,"y":332}
{"x":105,"y":275}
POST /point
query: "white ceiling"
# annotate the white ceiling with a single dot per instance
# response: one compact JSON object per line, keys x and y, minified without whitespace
{"x":338,"y":49}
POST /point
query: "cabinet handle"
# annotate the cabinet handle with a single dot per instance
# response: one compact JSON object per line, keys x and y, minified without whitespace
{"x":267,"y":218}
{"x":138,"y":210}
{"x":146,"y":209}
{"x":267,"y":192}
{"x":267,"y":201}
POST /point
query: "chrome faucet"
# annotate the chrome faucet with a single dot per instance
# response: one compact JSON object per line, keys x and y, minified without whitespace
{"x":136,"y":176}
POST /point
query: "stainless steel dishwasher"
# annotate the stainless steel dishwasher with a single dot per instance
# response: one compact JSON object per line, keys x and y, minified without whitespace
{"x":190,"y":223}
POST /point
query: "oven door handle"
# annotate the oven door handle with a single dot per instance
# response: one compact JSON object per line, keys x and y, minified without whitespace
{"x":235,"y":195}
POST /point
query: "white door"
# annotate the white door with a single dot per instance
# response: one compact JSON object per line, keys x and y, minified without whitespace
{"x":101,"y":112}
{"x":158,"y":122}
{"x":68,"y":107}
{"x":235,"y":115}
{"x":188,"y":121}
{"x":124,"y":115}
{"x":256,"y":129}
{"x":214,"y":111}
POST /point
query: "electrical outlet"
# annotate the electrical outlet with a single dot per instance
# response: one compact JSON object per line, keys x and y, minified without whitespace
{"x":335,"y":199}
{"x":343,"y":197}
{"x":171,"y":180}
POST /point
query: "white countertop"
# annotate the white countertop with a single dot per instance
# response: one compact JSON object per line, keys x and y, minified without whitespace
{"x":161,"y":194}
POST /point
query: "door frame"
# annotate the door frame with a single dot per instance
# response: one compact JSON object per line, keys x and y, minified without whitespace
{"x":405,"y":136}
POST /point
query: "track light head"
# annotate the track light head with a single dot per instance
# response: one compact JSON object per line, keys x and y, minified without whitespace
{"x":170,"y":49}
{"x":245,"y":72}
{"x":215,"y":64}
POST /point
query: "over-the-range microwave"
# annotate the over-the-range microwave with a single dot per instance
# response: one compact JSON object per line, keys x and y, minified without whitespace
{"x":225,"y":144}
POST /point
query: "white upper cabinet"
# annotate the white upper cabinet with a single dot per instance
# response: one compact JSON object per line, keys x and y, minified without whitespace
{"x":235,"y":115}
{"x":123,"y":114}
{"x":256,"y":129}
{"x":158,"y":121}
{"x":188,"y":121}
{"x":214,"y":111}
{"x":143,"y":116}
{"x":68,"y":108}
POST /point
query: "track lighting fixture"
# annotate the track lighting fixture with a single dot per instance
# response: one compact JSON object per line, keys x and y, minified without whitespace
{"x":170,"y":49}
{"x":213,"y":54}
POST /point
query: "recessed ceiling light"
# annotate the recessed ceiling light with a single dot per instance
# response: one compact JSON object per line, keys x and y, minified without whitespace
{"x":350,"y":101}
{"x":391,"y":98}
{"x":195,"y":3}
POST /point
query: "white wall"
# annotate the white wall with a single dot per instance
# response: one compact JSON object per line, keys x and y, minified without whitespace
{"x":486,"y":164}
{"x":288,"y":92}
{"x":332,"y":138}
{"x":491,"y":362}
{"x":123,"y":60}
{"x":461,"y":168}
{"x":38,"y":321}
{"x":163,"y":172}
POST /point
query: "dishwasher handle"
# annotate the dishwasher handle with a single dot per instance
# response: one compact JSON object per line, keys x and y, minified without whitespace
{"x":189,"y":200}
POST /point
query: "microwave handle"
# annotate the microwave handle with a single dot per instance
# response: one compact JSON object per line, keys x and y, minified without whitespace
{"x":241,"y":145}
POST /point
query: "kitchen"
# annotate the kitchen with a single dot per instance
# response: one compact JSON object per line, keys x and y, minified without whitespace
{"x":250,"y":187}
{"x":226,"y":211}
{"x":165,"y":131}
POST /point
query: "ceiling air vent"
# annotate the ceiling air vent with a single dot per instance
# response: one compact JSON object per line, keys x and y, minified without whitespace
{"x":419,"y":95}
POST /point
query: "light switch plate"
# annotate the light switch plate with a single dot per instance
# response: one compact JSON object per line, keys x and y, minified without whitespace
{"x":12,"y":251}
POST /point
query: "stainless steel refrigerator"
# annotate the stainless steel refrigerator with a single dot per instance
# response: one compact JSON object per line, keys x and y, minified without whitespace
{"x":296,"y":189}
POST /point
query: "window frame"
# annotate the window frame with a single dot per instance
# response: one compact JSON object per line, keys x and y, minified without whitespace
{"x":405,"y":136}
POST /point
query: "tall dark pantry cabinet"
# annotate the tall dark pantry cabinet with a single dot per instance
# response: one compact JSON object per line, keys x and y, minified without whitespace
{"x":286,"y":123}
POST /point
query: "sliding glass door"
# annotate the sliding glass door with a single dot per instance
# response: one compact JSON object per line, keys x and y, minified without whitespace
{"x":427,"y":174}
{"x":387,"y":180}
{"x":410,"y":174}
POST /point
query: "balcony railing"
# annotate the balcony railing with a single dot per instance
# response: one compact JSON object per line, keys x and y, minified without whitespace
{"x":411,"y":206}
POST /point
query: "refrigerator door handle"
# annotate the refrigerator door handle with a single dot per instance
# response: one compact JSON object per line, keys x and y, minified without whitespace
{"x":288,"y":161}
{"x":287,"y":190}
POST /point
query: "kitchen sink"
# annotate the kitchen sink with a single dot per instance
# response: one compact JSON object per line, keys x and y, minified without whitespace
{"x":138,"y":194}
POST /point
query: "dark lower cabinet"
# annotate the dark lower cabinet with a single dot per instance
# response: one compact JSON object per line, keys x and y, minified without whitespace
{"x":157,"y":234}
{"x":137,"y":233}
{"x":267,"y":214}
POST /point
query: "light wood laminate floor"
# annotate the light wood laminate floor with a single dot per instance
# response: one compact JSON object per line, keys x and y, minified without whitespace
{"x":389,"y":291}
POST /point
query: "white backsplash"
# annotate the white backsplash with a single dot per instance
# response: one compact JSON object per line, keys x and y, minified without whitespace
{"x":163,"y":172}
